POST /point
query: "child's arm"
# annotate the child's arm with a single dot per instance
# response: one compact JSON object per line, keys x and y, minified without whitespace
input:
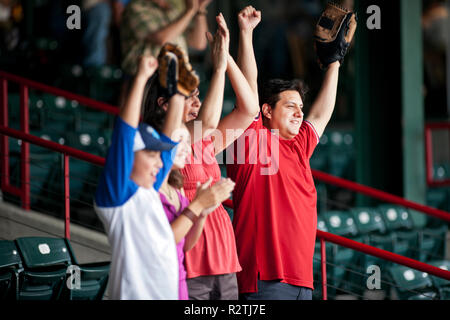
{"x":131,"y":111}
{"x":115,"y":187}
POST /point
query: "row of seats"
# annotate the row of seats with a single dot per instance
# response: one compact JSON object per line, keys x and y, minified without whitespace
{"x":335,"y":154}
{"x":38,"y":268}
{"x":100,"y":83}
{"x":56,"y":117}
{"x":387,"y":227}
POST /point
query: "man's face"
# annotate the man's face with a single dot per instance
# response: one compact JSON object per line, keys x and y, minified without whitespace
{"x":191,"y":107}
{"x":145,"y":167}
{"x":287,"y":116}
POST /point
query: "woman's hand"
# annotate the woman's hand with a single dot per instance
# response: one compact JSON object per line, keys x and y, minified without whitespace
{"x":219,"y":44}
{"x":209,"y":198}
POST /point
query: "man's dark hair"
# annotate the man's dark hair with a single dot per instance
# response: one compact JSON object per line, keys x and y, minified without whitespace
{"x":153,"y":114}
{"x":271,"y":89}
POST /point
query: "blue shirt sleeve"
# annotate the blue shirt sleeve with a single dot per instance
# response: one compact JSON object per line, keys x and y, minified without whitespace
{"x":115,"y":186}
{"x":167,"y":158}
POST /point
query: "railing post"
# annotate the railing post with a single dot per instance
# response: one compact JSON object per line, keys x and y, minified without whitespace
{"x":323,"y":263}
{"x":25,"y":148}
{"x":428,"y":155}
{"x":4,"y":138}
{"x":67,"y":196}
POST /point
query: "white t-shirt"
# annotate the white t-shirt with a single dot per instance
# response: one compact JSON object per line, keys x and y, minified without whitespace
{"x":144,"y":263}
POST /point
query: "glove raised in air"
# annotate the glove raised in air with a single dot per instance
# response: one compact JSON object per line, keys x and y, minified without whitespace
{"x":334,"y":33}
{"x":175,"y":72}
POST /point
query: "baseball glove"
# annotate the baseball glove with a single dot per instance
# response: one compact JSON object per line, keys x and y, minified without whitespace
{"x":334,"y":33}
{"x":175,"y":72}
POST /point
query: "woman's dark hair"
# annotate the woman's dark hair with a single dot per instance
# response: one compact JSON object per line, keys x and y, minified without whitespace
{"x":271,"y":89}
{"x":153,"y":114}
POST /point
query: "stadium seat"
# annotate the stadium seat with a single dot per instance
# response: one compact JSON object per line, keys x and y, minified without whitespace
{"x":94,"y":278}
{"x":440,"y":283}
{"x":409,"y":282}
{"x":406,"y":243}
{"x":432,"y":243}
{"x":104,"y":82}
{"x":340,"y":223}
{"x":60,"y":116}
{"x":10,"y":269}
{"x":444,"y":293}
{"x":94,"y":142}
{"x":395,"y":217}
{"x":45,"y":263}
{"x":424,"y":296}
{"x":368,"y":220}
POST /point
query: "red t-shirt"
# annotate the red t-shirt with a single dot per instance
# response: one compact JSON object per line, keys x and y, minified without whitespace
{"x":215,"y":251}
{"x":275,"y":216}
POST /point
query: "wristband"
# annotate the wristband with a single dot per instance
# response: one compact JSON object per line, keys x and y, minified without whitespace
{"x":190,"y":215}
{"x":202,"y":13}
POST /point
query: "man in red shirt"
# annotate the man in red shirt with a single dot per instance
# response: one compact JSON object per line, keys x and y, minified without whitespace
{"x":275,"y":216}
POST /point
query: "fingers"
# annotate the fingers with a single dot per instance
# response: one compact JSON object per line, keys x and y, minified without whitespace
{"x":223,"y":28}
{"x":206,"y":184}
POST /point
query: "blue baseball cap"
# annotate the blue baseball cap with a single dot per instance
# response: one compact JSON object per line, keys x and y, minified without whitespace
{"x":147,"y":138}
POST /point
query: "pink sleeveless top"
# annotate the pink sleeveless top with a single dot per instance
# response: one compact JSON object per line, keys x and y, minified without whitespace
{"x":215,"y":251}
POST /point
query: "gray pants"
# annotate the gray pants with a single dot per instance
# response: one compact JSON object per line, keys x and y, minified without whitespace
{"x":276,"y":290}
{"x":218,"y":287}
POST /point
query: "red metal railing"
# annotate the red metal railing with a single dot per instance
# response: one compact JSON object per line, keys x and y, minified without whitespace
{"x":429,"y":127}
{"x":23,"y":192}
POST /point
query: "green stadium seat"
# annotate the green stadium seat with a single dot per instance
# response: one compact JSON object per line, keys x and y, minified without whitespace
{"x":368,"y":220}
{"x":10,"y":269}
{"x":104,"y":82}
{"x":60,"y":116}
{"x":395,"y":218}
{"x":409,"y":282}
{"x":432,"y":243}
{"x":340,"y":223}
{"x":444,"y":293}
{"x":424,"y":296}
{"x":45,"y":263}
{"x":406,"y":243}
{"x":94,"y":278}
{"x":440,"y":283}
{"x":94,"y":142}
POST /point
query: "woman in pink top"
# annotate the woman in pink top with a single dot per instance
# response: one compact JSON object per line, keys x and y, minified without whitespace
{"x":186,"y":229}
{"x":212,"y":263}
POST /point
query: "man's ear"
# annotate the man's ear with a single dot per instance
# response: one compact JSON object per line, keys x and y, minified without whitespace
{"x":267,"y":111}
{"x":163,"y":103}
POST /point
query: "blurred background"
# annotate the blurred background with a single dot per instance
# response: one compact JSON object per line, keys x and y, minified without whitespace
{"x":394,"y":84}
